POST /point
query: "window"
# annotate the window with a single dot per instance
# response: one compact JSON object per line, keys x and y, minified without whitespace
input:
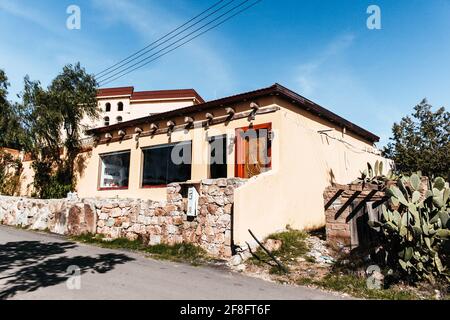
{"x":108,"y":107}
{"x":120,"y":106}
{"x":218,"y":157}
{"x":106,"y":121}
{"x":119,"y":119}
{"x":115,"y":169}
{"x":166,"y":164}
{"x":253,"y":150}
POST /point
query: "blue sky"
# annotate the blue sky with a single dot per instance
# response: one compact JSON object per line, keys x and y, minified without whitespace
{"x":320,"y":49}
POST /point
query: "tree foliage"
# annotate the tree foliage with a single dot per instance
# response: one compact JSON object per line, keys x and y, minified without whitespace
{"x":10,"y":174}
{"x":47,"y":124}
{"x":53,"y":118}
{"x":11,"y":133}
{"x":421,"y":142}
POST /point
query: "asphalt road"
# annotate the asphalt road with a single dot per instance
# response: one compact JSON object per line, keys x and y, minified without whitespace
{"x":38,"y":266}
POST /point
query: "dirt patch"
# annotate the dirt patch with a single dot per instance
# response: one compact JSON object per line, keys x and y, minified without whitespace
{"x":312,"y":263}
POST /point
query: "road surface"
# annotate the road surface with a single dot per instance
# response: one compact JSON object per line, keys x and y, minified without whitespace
{"x":38,"y":266}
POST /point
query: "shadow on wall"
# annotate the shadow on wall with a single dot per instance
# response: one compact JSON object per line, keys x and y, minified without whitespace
{"x":25,"y":268}
{"x":81,"y":162}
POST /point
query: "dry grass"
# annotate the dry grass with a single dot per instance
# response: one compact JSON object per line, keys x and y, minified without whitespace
{"x":183,"y":252}
{"x":339,"y":278}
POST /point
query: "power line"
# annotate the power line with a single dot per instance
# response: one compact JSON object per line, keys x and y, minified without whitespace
{"x":121,"y":74}
{"x":149,"y":48}
{"x":163,"y":37}
{"x":173,"y":43}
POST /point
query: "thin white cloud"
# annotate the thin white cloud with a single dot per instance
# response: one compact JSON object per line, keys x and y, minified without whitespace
{"x":306,"y":72}
{"x":152,"y":21}
{"x":148,"y":23}
{"x":198,"y":64}
{"x":331,"y":82}
{"x":27,"y":12}
{"x":40,"y":46}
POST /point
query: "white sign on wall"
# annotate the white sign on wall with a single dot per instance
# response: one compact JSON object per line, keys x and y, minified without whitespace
{"x":192,"y":202}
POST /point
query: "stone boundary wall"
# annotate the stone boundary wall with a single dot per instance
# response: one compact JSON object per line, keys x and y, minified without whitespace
{"x":342,"y":201}
{"x":344,"y":204}
{"x":154,"y":222}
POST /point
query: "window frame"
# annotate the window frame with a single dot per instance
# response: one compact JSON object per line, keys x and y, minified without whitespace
{"x":210,"y":139}
{"x":239,"y":167}
{"x":100,"y":171}
{"x":107,"y":107}
{"x":105,"y":120}
{"x":117,"y":119}
{"x":120,"y":106}
{"x":143,"y":149}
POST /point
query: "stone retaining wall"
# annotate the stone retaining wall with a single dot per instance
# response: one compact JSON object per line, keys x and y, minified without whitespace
{"x":344,"y":205}
{"x":153,"y":222}
{"x":348,"y":208}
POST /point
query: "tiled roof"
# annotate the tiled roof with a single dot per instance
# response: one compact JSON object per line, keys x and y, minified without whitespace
{"x":166,"y":94}
{"x":274,"y":90}
{"x":110,"y":92}
{"x":149,"y":95}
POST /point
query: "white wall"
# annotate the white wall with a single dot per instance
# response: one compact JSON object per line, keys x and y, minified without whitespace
{"x":133,"y":110}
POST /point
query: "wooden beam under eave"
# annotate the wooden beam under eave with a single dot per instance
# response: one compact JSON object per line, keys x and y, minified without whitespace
{"x":216,"y":120}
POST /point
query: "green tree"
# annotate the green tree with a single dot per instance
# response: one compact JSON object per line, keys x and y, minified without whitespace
{"x":421,"y":142}
{"x":4,"y":107}
{"x":3,"y":89}
{"x":52,"y":117}
{"x":10,"y":174}
{"x":12,"y":134}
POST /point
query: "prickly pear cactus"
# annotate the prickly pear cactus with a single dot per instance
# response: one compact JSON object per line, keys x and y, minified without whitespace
{"x":416,"y":227}
{"x":375,"y":175}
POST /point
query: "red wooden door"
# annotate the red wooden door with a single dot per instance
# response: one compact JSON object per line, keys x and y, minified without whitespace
{"x":253,"y":150}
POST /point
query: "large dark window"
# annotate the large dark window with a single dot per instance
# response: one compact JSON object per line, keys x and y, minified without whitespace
{"x":166,"y":164}
{"x":218,"y":157}
{"x":115,"y":169}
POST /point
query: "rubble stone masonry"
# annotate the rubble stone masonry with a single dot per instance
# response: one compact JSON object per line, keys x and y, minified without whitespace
{"x":154,"y":222}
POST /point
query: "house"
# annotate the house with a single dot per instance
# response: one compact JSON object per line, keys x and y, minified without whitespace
{"x":122,"y":104}
{"x":118,"y":105}
{"x":286,"y":147}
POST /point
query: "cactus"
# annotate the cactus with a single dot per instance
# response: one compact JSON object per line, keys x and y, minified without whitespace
{"x":374,"y":175}
{"x":415,"y":227}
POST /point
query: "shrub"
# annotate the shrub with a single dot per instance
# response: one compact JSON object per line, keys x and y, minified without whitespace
{"x":416,"y":228}
{"x":10,"y":173}
{"x":48,"y":184}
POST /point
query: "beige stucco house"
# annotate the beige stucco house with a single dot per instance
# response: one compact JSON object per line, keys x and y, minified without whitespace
{"x":288,"y":147}
{"x":117,"y":105}
{"x":122,"y":104}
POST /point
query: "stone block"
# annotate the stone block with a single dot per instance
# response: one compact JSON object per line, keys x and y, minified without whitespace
{"x":154,"y":240}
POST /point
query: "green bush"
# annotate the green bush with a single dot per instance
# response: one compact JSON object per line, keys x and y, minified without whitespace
{"x":56,"y":190}
{"x":416,"y":228}
{"x":10,"y":173}
{"x":48,"y":184}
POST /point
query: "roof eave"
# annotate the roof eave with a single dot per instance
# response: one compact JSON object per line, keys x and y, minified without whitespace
{"x":275,"y":89}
